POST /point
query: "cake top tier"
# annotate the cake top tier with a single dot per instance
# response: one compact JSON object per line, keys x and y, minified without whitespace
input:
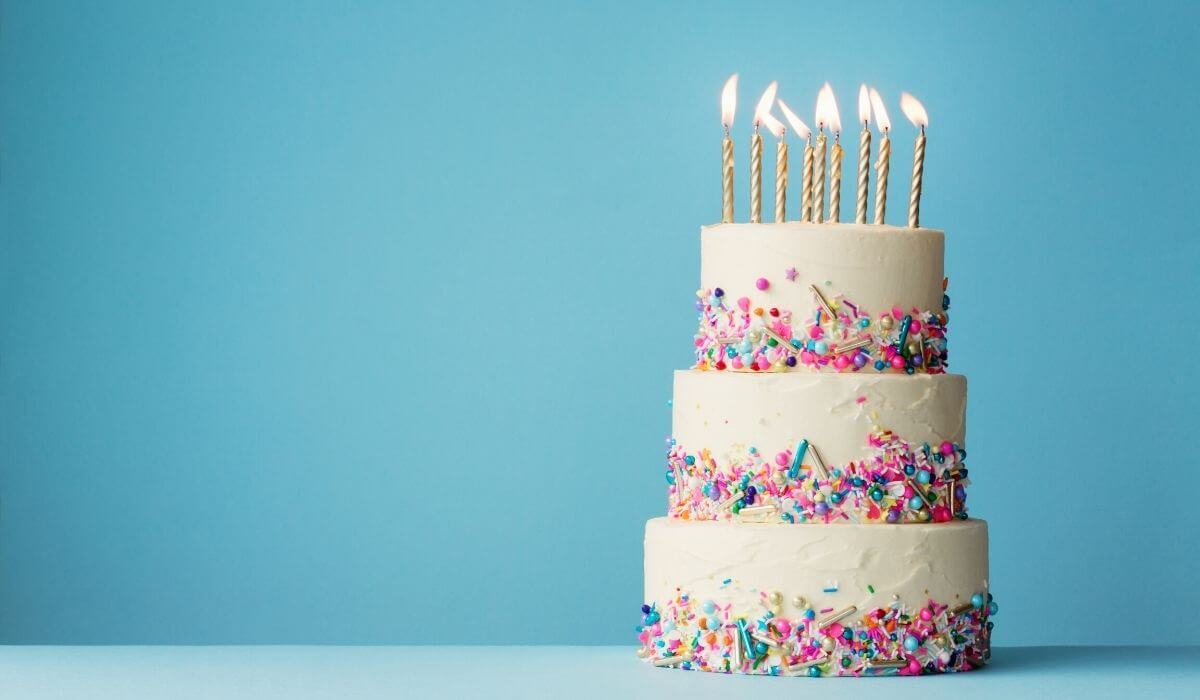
{"x":822,"y":288}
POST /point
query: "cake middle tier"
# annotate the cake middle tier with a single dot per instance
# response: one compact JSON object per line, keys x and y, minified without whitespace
{"x":805,"y":447}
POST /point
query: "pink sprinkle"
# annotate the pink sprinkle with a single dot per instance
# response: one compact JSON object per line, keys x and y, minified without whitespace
{"x":744,"y":303}
{"x":825,"y":610}
{"x":762,"y":284}
{"x":861,"y":399}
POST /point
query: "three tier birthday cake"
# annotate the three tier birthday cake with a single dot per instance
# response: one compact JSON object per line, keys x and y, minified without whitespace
{"x":817,"y":488}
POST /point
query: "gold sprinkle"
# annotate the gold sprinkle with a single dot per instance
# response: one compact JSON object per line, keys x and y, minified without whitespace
{"x":806,"y":664}
{"x":782,"y":343}
{"x":919,"y":492}
{"x":821,"y":300}
{"x":848,"y":610}
{"x":818,"y":462}
{"x":753,"y":511}
{"x":670,"y":660}
{"x":730,"y":501}
{"x":887,"y":664}
{"x":864,"y":342}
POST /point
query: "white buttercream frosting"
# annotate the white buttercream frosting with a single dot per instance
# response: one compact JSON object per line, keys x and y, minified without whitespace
{"x":876,"y":267}
{"x":727,"y":413}
{"x":829,"y":567}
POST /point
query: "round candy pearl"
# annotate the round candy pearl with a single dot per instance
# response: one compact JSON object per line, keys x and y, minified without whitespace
{"x":718,"y":292}
{"x":893,"y":516}
{"x":914,"y":327}
{"x":911,"y":643}
{"x":977,"y":601}
{"x":762,"y":283}
{"x":886,"y":323}
{"x":791,"y":361}
{"x":828,"y":645}
{"x":842,"y":362}
{"x":814,"y":672}
{"x":898,"y":362}
{"x":864,"y":322}
{"x":947,"y":448}
{"x":880,"y":365}
{"x":993,"y":608}
{"x":709,"y":607}
{"x":926,"y":614}
{"x":810,"y":613}
{"x":760,"y":649}
{"x":860,"y":360}
{"x":915,"y":502}
{"x":645,"y":609}
{"x":821,"y":347}
{"x":821,"y":509}
{"x":923,"y":476}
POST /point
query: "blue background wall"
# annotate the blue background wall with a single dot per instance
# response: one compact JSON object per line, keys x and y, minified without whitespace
{"x":355,"y":322}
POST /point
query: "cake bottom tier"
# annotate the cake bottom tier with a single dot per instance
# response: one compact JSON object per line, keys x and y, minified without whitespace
{"x":839,"y":600}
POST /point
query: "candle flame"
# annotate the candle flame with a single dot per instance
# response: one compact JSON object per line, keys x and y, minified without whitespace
{"x":880,"y":110}
{"x":729,"y":101}
{"x":799,"y":128}
{"x":914,"y":110}
{"x":864,"y":105}
{"x":827,"y":110}
{"x":764,"y":103}
{"x":773,"y":125}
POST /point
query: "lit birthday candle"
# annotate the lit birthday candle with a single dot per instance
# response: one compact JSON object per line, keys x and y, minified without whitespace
{"x":818,"y":172}
{"x":801,"y":130}
{"x":884,"y":162}
{"x":915,"y":111}
{"x":834,"y":120}
{"x":864,"y":154}
{"x":762,"y":115}
{"x":756,"y":159}
{"x":728,"y":105}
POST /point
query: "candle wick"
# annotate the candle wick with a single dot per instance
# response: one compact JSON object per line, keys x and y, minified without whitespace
{"x":922,"y":129}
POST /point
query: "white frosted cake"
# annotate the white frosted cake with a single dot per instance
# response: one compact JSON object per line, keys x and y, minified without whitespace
{"x":817,"y":492}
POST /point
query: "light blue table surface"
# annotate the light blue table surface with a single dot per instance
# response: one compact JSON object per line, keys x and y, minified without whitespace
{"x":552,"y":672}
